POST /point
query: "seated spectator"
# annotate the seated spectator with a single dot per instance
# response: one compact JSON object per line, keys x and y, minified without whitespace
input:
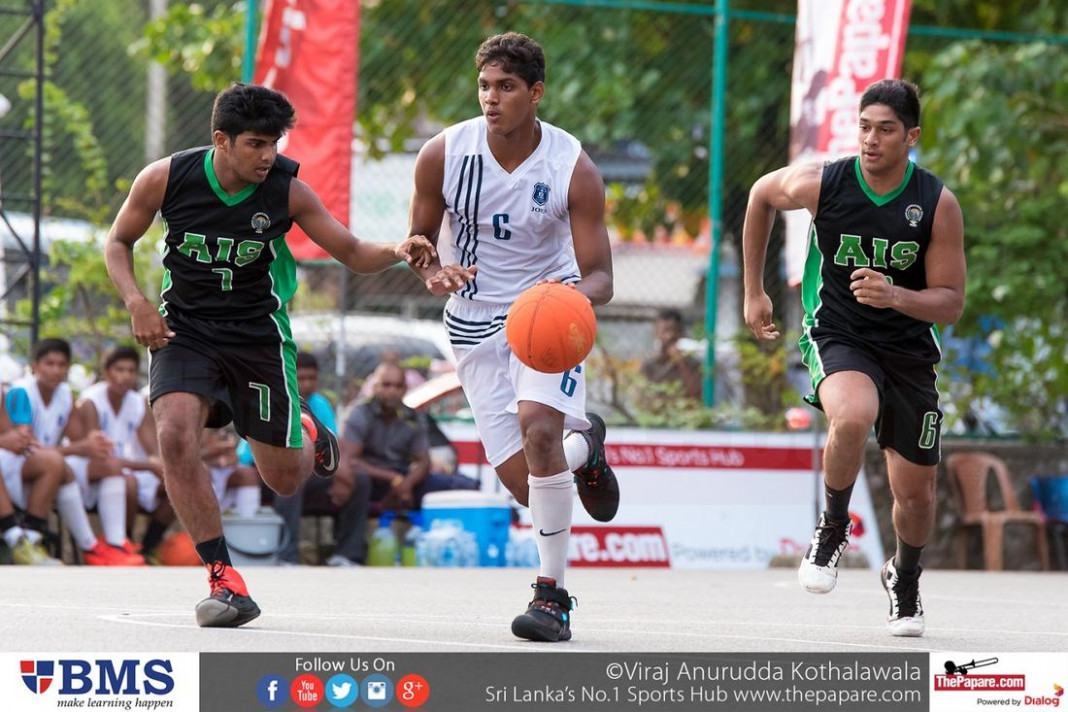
{"x":24,"y":536}
{"x":237,"y":486}
{"x":315,"y":495}
{"x":670,"y":364}
{"x":67,"y":454}
{"x":385,"y":457}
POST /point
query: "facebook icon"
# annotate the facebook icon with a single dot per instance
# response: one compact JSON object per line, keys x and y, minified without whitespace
{"x":271,"y":689}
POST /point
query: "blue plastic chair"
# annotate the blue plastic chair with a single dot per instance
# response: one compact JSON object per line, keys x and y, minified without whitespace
{"x":1051,"y":495}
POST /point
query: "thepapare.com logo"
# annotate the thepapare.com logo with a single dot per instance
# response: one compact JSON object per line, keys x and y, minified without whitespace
{"x":73,"y":677}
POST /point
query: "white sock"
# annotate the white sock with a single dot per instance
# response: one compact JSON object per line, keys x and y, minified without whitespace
{"x":33,"y":536}
{"x":72,"y":509}
{"x":111,"y":505}
{"x":551,"y":501}
{"x":576,"y":450}
{"x":12,"y":536}
{"x":246,"y":500}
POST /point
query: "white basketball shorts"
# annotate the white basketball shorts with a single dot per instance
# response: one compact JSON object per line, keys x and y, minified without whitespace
{"x":494,"y":380}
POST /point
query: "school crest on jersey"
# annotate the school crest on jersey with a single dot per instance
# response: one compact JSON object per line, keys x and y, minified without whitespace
{"x":914,"y":213}
{"x":541,"y":194}
{"x":260,"y":222}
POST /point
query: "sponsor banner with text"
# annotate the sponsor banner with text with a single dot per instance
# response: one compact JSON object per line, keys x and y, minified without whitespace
{"x":502,"y":682}
{"x":141,"y":682}
{"x":841,"y":47}
{"x":701,"y":500}
{"x":982,"y":681}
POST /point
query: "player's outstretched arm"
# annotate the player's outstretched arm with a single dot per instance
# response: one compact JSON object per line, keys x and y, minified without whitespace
{"x":593,"y":252}
{"x":134,"y":218}
{"x":942,"y":300}
{"x":426,"y":214}
{"x":790,"y":188}
{"x":359,"y":256}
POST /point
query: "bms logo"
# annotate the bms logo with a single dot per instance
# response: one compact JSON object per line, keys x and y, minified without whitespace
{"x":100,"y":677}
{"x":37,"y":674}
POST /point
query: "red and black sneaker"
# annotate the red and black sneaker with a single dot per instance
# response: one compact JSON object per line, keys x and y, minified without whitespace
{"x":229,"y":604}
{"x":598,"y":488}
{"x":327,"y":453}
{"x":548,"y":617}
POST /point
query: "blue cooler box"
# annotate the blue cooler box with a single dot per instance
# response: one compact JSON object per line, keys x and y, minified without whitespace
{"x":484,"y":514}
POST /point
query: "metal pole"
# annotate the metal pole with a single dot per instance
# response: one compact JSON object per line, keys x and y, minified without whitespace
{"x":715,"y":196}
{"x":340,"y":364}
{"x":38,"y":161}
{"x":248,"y":66}
{"x":156,"y":97}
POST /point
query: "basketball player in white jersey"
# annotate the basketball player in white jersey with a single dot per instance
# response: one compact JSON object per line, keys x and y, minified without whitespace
{"x":24,"y":537}
{"x":526,"y":205}
{"x":114,"y":406}
{"x":43,"y":401}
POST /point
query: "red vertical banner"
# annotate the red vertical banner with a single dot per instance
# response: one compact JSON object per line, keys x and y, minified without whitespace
{"x":841,"y":47}
{"x":309,"y":51}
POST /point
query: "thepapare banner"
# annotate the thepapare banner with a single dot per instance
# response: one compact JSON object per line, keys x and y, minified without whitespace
{"x":842,"y":46}
{"x":308,"y":51}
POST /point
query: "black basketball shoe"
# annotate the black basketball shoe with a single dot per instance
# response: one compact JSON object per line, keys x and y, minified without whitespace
{"x":229,"y":604}
{"x":598,"y":488}
{"x":905,"y":619}
{"x":548,"y":617}
{"x":327,"y":453}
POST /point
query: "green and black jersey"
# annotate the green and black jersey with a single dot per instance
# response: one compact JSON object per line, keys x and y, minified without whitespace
{"x":226,"y":256}
{"x":856,"y":228}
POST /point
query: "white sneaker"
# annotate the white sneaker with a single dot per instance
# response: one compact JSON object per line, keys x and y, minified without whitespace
{"x":906,"y":611}
{"x":341,"y":561}
{"x":818,"y":572}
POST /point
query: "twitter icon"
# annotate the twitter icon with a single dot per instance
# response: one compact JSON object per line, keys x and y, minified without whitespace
{"x":342,"y":690}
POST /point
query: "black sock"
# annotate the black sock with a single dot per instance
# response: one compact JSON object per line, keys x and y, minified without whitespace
{"x":36,"y":524}
{"x":907,"y":559}
{"x":214,"y":550}
{"x":153,"y":535}
{"x":837,"y":503}
{"x":9,"y":521}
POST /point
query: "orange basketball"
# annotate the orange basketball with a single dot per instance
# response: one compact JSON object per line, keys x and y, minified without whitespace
{"x":178,"y":550}
{"x":551,"y":327}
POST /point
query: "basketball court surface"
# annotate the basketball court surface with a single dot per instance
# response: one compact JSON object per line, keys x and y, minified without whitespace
{"x":460,"y":610}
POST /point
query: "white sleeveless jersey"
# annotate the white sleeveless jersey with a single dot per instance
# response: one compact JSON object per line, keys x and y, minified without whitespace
{"x":49,"y":421}
{"x":121,"y":427}
{"x":514,"y":226}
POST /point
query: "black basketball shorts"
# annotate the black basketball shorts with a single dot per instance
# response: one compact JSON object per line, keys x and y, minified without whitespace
{"x":909,"y":419}
{"x":247,"y":370}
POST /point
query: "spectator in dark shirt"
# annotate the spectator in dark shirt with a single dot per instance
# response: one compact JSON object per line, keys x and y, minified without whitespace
{"x":385,"y":454}
{"x":670,"y":364}
{"x":386,"y":442}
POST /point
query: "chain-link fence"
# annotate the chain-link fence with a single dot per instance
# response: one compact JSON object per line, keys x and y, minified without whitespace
{"x":632,"y":80}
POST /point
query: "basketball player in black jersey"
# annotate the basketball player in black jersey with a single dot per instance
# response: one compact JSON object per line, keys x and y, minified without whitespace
{"x":220,"y":342}
{"x":885,"y":264}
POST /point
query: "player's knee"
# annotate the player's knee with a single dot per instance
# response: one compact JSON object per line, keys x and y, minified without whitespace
{"x":852,"y":427}
{"x":520,"y":492}
{"x":49,"y":462}
{"x":284,"y":481}
{"x":540,"y":439}
{"x":176,"y":442}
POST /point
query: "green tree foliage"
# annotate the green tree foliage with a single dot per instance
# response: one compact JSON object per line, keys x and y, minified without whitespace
{"x":999,"y":138}
{"x":79,"y":301}
{"x":205,"y":44}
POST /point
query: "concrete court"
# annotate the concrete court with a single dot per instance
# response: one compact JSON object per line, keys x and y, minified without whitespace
{"x":445,"y":610}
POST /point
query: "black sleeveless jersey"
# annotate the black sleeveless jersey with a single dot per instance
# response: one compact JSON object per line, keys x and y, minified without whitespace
{"x":225,"y":255}
{"x":890,"y":233}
